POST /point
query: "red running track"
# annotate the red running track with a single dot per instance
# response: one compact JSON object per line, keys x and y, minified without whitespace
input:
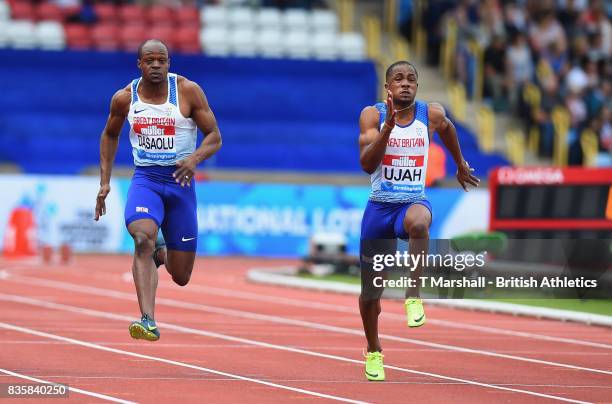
{"x":227,"y":340}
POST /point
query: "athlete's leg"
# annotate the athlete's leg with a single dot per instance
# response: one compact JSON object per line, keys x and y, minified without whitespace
{"x":376,"y":239}
{"x":144,"y":233}
{"x":180,"y":265}
{"x":180,"y":230}
{"x":371,"y":292}
{"x":144,"y":210}
{"x":416,"y":223}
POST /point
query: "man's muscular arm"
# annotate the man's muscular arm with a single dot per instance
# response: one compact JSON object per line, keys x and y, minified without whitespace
{"x":448,"y":134}
{"x":206,"y":122}
{"x":372,"y":141}
{"x":120,"y":105}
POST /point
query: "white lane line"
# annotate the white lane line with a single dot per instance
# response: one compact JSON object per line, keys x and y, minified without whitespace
{"x":171,"y":362}
{"x":74,"y":389}
{"x":127,"y":277}
{"x":188,"y":330}
{"x":283,"y":320}
{"x":351,"y":310}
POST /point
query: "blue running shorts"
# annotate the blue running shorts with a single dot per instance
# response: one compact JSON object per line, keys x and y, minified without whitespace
{"x":381,"y":226}
{"x":155,"y":195}
{"x":385,"y":220}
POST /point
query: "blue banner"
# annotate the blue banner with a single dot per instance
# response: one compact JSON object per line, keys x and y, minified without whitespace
{"x":277,"y":220}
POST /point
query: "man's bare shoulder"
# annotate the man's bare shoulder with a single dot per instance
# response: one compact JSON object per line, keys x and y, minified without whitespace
{"x":184,"y":84}
{"x":123,"y":96}
{"x":120,"y":103}
{"x":436,"y":111}
{"x":370,"y":115}
{"x":370,"y":112}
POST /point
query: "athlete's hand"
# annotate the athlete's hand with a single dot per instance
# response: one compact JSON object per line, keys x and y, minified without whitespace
{"x":391,"y":112}
{"x":184,"y":172}
{"x":100,"y":201}
{"x":465,"y":176}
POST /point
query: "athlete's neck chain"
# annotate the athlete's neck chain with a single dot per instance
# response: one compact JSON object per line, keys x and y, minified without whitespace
{"x":403,"y":109}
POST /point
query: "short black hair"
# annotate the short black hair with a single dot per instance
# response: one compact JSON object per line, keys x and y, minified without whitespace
{"x":142,"y":45}
{"x":399,"y":63}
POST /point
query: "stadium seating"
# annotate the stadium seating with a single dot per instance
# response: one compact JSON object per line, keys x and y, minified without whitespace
{"x":105,"y":12}
{"x":160,"y":15}
{"x":296,"y":20}
{"x":213,"y":17}
{"x":5,"y":11}
{"x":131,"y":14}
{"x":269,"y":43}
{"x":22,"y":11}
{"x":131,"y":36}
{"x":214,"y":41}
{"x":21,"y":34}
{"x":324,"y":21}
{"x":323,"y":45}
{"x":268,"y":19}
{"x":222,"y":30}
{"x":187,"y":40}
{"x":165,"y":33}
{"x":242,"y":42}
{"x":50,"y":35}
{"x":49,"y":12}
{"x":105,"y":36}
{"x":241,"y":17}
{"x":4,"y":40}
{"x":78,"y":36}
{"x":351,"y":46}
{"x":297,"y":45}
{"x":187,"y":16}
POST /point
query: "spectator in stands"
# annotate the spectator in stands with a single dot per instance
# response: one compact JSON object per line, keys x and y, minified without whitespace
{"x":491,"y":22}
{"x":519,"y":67}
{"x":495,"y":72}
{"x":569,"y":12}
{"x":546,"y":31}
{"x":284,"y":4}
{"x":571,"y":42}
{"x":556,"y":58}
{"x":603,"y":127}
{"x":543,"y":115}
{"x":515,"y":17}
{"x":86,"y":14}
{"x":595,"y":22}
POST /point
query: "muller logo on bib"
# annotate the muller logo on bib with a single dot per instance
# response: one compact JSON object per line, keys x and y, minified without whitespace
{"x":403,"y":173}
{"x":155,"y":133}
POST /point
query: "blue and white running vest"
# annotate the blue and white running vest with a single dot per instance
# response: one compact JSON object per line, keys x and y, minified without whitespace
{"x":400,"y":177}
{"x":159,"y":133}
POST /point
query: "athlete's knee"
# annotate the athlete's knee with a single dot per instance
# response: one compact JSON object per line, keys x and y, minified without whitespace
{"x":182,"y":279}
{"x":143,"y":243}
{"x":369,"y":302}
{"x":419,"y":230}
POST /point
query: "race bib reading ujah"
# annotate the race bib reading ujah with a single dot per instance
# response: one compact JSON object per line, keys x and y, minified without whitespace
{"x":156,"y":138}
{"x":402,"y":173}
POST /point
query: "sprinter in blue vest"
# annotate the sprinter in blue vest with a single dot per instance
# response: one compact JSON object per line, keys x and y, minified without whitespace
{"x":164,"y":112}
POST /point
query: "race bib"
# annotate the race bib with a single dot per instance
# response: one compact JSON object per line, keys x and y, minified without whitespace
{"x":156,"y":137}
{"x":404,"y":174}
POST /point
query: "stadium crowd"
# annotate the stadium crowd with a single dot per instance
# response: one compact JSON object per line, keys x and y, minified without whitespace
{"x":564,"y":47}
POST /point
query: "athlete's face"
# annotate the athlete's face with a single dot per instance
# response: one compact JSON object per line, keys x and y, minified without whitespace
{"x":154,"y":63}
{"x":403,"y":84}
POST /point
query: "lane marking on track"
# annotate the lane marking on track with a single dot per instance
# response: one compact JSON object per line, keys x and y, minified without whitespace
{"x":351,"y":310}
{"x":283,"y":320}
{"x":188,"y":330}
{"x":74,"y":389}
{"x":127,"y":277}
{"x":172,"y":362}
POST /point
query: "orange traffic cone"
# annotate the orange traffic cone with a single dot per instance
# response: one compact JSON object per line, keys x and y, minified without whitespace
{"x":20,"y":236}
